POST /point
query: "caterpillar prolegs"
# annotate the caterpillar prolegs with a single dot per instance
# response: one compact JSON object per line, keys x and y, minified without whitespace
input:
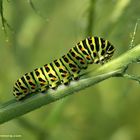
{"x":61,"y":71}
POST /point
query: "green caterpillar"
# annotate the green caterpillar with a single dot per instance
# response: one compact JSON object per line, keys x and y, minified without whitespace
{"x":63,"y":70}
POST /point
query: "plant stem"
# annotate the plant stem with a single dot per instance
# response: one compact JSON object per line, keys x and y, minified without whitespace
{"x":91,"y":16}
{"x":13,"y":108}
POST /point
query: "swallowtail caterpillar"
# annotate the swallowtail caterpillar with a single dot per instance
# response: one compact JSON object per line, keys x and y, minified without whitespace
{"x":92,"y":50}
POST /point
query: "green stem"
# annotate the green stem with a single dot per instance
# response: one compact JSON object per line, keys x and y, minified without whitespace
{"x":13,"y":108}
{"x":91,"y":17}
{"x":132,"y":77}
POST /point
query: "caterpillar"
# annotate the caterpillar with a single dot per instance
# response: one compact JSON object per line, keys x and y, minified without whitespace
{"x":61,"y":71}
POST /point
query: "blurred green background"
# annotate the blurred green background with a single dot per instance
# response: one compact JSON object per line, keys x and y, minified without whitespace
{"x":109,"y":110}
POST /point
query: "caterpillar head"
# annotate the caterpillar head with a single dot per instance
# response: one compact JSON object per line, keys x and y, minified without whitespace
{"x":106,"y":52}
